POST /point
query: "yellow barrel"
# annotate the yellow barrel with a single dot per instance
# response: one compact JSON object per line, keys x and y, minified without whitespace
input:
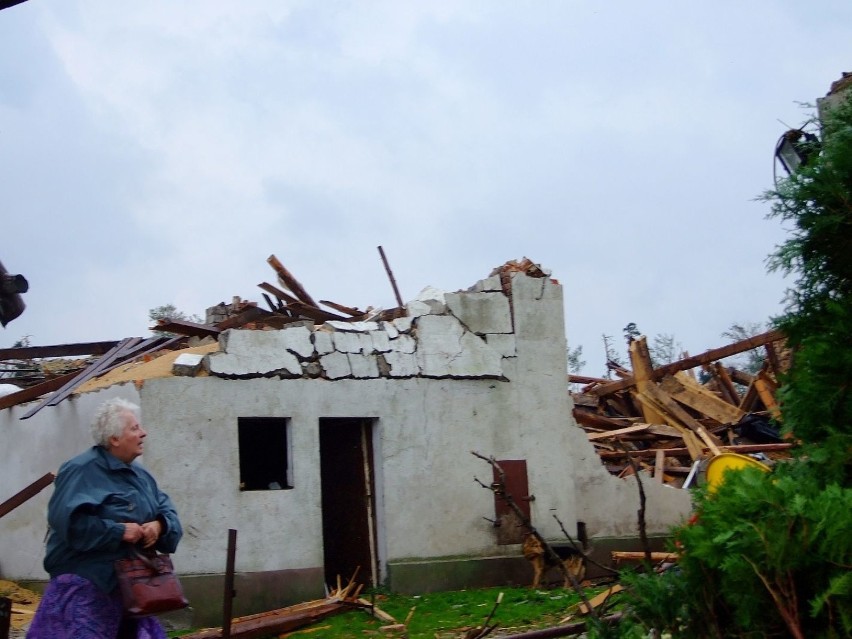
{"x":722,"y":462}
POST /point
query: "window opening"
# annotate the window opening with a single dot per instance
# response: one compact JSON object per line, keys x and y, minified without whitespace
{"x":264,"y":453}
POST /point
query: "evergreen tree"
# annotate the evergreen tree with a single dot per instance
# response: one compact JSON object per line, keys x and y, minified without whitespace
{"x":768,"y":554}
{"x":817,"y":201}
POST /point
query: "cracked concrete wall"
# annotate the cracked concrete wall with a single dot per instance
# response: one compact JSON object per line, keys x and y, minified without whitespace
{"x":476,"y":370}
{"x":444,"y":336}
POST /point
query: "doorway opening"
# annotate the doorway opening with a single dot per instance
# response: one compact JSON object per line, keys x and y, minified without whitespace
{"x":348,"y":500}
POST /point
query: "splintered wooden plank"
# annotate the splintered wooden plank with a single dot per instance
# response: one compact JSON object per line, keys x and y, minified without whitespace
{"x":640,"y":358}
{"x":348,"y":310}
{"x":276,"y":622}
{"x":598,"y":600}
{"x":286,"y":279}
{"x":689,"y":438}
{"x":772,"y":359}
{"x":594,"y":420}
{"x":740,"y":377}
{"x":670,"y":407}
{"x":766,"y":388}
{"x":751,"y":398}
{"x":277,"y":292}
{"x":726,"y":383}
{"x":663,"y":430}
{"x":690,"y":393}
{"x":637,"y":428}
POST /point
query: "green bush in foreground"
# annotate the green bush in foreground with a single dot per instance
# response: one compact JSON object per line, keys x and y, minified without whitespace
{"x":766,"y":555}
{"x":769,"y":554}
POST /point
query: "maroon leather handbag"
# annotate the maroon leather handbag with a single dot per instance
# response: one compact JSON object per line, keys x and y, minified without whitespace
{"x":149,"y":585}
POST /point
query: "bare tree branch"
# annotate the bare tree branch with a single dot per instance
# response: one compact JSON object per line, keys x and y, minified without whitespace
{"x":499,"y":489}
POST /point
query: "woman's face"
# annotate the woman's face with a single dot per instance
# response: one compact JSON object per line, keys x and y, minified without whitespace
{"x":130,"y":444}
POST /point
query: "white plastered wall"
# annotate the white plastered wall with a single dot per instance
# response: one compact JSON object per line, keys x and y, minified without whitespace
{"x":425,"y":429}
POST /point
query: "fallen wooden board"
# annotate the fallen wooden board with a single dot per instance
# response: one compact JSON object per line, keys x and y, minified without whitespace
{"x":276,"y":622}
{"x":636,"y":428}
{"x":688,"y":392}
{"x":599,"y":599}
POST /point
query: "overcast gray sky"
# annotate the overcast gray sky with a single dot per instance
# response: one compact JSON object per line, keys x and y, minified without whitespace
{"x":158,"y":152}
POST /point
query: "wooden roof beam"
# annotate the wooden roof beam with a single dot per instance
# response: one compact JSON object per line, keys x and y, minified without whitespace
{"x":695,"y":360}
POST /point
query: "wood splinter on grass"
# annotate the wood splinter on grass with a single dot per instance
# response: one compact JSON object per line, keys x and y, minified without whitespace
{"x":485,"y":629}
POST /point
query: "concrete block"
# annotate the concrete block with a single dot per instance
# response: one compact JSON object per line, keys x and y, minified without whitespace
{"x":482,"y":312}
{"x":489,"y":284}
{"x":298,"y":340}
{"x":391,"y":330}
{"x":446,"y":349}
{"x":323,"y":342}
{"x":187,"y":364}
{"x":336,"y":365}
{"x":430,"y":301}
{"x":403,"y":324}
{"x":404,"y":344}
{"x":363,"y":366}
{"x":348,"y":342}
{"x":417,"y":308}
{"x":503,"y":344}
{"x":402,"y":364}
{"x":352,"y":327}
{"x":381,"y":342}
{"x":247,"y":353}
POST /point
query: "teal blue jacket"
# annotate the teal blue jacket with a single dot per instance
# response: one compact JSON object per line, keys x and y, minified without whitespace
{"x":94,"y":494}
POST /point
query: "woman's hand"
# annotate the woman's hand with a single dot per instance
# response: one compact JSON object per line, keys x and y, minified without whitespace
{"x":132,"y":532}
{"x":151,"y":531}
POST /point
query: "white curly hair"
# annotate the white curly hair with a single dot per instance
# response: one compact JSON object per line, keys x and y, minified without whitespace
{"x":109,"y":420}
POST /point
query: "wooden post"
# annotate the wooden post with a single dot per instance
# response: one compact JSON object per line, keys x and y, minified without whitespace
{"x":659,"y":465}
{"x":230,"y":593}
{"x":640,"y":358}
{"x":391,"y":277}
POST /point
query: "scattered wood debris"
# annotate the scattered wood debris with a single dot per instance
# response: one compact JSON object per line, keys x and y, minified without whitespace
{"x":669,"y":420}
{"x":283,"y":620}
{"x":24,"y":603}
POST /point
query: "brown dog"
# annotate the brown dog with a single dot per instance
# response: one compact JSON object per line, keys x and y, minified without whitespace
{"x":534,"y":553}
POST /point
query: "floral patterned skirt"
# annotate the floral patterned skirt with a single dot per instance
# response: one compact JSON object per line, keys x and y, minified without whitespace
{"x":74,"y":608}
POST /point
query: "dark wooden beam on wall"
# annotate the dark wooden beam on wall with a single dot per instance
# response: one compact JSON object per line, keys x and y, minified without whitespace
{"x":58,"y":350}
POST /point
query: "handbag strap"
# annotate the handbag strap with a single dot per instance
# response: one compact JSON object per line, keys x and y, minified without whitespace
{"x":147,"y":559}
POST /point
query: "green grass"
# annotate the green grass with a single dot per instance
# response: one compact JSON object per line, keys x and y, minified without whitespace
{"x":447,"y":615}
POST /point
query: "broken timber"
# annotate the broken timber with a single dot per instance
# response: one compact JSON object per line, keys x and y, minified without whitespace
{"x":665,"y":416}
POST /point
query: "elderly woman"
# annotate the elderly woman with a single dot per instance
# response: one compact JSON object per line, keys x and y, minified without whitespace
{"x":102,"y":505}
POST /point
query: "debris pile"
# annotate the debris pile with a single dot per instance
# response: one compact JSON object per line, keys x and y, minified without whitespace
{"x":24,"y":603}
{"x":669,"y":419}
{"x":449,"y":339}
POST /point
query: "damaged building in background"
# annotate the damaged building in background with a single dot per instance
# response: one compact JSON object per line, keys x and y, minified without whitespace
{"x":341,"y":442}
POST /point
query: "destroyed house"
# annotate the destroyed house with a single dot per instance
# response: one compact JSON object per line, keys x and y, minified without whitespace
{"x":343,"y":446}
